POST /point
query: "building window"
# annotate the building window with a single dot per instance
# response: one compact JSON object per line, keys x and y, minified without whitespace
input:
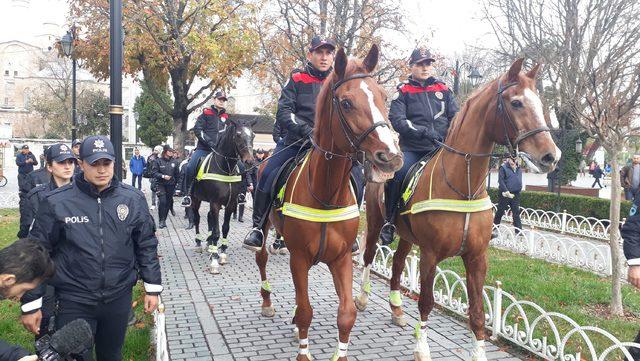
{"x":6,"y":73}
{"x":15,"y":73}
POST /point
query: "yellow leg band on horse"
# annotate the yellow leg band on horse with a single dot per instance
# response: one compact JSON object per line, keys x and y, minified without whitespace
{"x":395,"y":298}
{"x":367,"y":288}
{"x":213,"y":249}
{"x":421,"y":329}
{"x":224,"y":242}
{"x":266,"y":286}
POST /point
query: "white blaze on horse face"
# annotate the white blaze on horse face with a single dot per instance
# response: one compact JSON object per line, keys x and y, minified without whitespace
{"x":533,"y":101}
{"x":384,"y":133}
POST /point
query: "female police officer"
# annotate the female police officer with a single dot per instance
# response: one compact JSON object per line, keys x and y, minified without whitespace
{"x":422,"y":108}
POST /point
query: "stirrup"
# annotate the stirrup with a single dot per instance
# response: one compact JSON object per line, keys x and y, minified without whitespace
{"x":186,"y":201}
{"x":246,"y":244}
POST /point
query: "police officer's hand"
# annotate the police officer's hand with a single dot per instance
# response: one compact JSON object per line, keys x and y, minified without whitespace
{"x":432,"y":135}
{"x":29,"y":358}
{"x":32,"y":321}
{"x":150,"y":303}
{"x":166,"y":177}
{"x":634,"y":276}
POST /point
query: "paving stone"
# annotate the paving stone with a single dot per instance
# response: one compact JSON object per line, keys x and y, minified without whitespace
{"x":217,"y":317}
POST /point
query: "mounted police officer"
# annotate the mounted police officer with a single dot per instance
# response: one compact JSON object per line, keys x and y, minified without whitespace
{"x":630,"y":233}
{"x":165,"y":171}
{"x":294,"y":126}
{"x":101,"y":236}
{"x":420,"y":112}
{"x":209,"y":124}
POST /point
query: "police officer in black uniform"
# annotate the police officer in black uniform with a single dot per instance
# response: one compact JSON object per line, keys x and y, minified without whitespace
{"x":165,"y":171}
{"x":209,"y":124}
{"x":101,"y":235}
{"x":631,"y":246}
{"x":420,"y":112}
{"x":295,"y":119}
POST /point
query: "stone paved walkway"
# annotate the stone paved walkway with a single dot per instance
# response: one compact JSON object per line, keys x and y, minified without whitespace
{"x":217,"y":317}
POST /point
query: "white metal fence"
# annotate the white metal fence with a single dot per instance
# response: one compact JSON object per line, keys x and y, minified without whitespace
{"x":550,"y":335}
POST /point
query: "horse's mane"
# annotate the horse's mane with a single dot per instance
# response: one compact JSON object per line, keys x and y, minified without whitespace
{"x":458,"y":119}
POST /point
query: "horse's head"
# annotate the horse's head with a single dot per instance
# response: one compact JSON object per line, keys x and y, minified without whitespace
{"x":240,"y":137}
{"x":358,"y":116}
{"x":520,"y":122}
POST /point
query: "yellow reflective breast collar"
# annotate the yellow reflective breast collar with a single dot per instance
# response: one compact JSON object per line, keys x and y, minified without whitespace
{"x":205,"y":175}
{"x":449,"y":205}
{"x":293,"y":210}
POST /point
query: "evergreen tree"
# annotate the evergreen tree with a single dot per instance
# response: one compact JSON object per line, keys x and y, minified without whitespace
{"x":154,"y":124}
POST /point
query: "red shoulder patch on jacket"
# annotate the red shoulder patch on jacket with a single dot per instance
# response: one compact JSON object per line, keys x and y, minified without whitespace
{"x":208,"y":111}
{"x":305,"y":78}
{"x":224,"y":116}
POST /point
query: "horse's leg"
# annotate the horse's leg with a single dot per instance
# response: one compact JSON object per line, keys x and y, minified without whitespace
{"x":425,"y":305}
{"x":265,"y":290}
{"x":476,"y":268}
{"x":224,"y":242}
{"x":375,"y":220}
{"x":212,"y":240}
{"x":395,"y":296}
{"x":303,"y":313}
{"x":342,"y":272}
{"x":195,"y":207}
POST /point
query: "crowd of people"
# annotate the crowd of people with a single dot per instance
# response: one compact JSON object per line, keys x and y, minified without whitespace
{"x":100,"y":234}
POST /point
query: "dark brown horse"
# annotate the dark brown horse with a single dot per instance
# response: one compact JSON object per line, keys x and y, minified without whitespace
{"x":350,"y":124}
{"x":506,"y":111}
{"x":235,"y":145}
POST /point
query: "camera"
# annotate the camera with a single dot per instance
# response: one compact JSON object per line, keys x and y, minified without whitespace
{"x":70,"y":340}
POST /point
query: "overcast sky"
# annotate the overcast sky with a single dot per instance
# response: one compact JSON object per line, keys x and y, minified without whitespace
{"x":450,"y":24}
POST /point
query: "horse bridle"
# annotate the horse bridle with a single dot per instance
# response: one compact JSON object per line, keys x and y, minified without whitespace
{"x":354,"y":139}
{"x":507,"y":121}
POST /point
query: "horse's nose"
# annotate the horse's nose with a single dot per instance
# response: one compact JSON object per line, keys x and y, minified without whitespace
{"x":548,"y":159}
{"x":384,"y":157}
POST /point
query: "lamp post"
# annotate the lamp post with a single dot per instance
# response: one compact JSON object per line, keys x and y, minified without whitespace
{"x":474,"y":75}
{"x":67,"y":44}
{"x":115,"y":80}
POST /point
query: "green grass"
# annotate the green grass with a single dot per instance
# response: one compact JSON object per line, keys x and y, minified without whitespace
{"x":137,"y":344}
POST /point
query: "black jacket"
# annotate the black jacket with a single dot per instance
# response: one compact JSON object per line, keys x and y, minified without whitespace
{"x":208,"y":125}
{"x":509,"y":179}
{"x":297,"y":103}
{"x":33,"y":200}
{"x":163,"y":166}
{"x":11,"y":352}
{"x":97,"y":241}
{"x":278,"y":132}
{"x":421,"y":107}
{"x":38,"y":177}
{"x":630,"y":233}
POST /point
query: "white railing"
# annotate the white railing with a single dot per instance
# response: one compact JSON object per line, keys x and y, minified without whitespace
{"x":564,"y":222}
{"x":550,"y":335}
{"x":590,"y":256}
{"x":160,"y":333}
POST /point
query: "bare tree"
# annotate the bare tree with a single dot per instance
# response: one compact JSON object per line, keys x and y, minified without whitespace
{"x":591,"y":50}
{"x":285,"y":28}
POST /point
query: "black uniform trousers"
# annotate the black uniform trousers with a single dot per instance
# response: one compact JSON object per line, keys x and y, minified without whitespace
{"x":108,"y":322}
{"x":514,"y":204}
{"x":165,"y":199}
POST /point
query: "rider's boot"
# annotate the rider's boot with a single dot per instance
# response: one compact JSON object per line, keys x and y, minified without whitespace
{"x":255,"y":238}
{"x":390,"y":200}
{"x":278,"y":246}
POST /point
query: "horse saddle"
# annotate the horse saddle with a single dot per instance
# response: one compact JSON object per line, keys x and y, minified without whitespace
{"x":284,"y":173}
{"x":204,"y":172}
{"x":411,"y":179}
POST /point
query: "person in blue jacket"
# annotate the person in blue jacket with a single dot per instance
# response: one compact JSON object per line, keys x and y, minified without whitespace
{"x":137,"y":164}
{"x":509,"y":188}
{"x":421,"y":112}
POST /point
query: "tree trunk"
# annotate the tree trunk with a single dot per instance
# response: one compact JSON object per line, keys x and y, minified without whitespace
{"x":614,"y":237}
{"x":179,"y":132}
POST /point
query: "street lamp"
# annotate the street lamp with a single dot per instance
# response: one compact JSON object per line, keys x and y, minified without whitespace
{"x":579,"y":146}
{"x":475,"y":76}
{"x":67,"y":45}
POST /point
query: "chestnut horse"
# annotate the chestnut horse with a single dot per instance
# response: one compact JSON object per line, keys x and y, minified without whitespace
{"x":350,"y":125}
{"x":506,"y":111}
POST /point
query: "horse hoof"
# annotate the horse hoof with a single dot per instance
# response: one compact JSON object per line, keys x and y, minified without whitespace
{"x":479,"y":358}
{"x":303,"y":358}
{"x":268,"y":311}
{"x":419,"y":356}
{"x":361,"y":303}
{"x":198,"y":249}
{"x":398,"y":320}
{"x":214,"y":271}
{"x":223,"y":258}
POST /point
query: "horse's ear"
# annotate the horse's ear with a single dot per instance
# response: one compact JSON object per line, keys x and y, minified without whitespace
{"x":516,"y":67}
{"x":341,"y":61}
{"x":371,"y":60}
{"x":534,"y":71}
